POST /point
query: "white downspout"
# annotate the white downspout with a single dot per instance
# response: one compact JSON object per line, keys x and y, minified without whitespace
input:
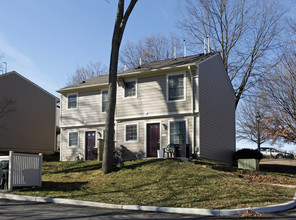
{"x":192,"y":110}
{"x":197,"y":120}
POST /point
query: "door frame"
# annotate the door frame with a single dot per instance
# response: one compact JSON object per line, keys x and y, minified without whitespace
{"x":85,"y":138}
{"x":146,"y":136}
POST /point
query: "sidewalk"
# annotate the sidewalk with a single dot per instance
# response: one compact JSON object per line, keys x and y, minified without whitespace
{"x":196,"y":211}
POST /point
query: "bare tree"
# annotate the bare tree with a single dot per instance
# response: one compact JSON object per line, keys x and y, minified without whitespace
{"x":120,"y":23}
{"x":149,"y":49}
{"x":7,"y":106}
{"x":245,"y":32}
{"x":253,"y":122}
{"x":279,"y":94}
{"x":89,"y":71}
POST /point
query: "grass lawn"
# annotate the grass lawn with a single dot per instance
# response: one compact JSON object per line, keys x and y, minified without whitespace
{"x":160,"y":183}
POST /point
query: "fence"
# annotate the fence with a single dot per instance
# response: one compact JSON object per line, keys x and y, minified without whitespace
{"x":24,"y":170}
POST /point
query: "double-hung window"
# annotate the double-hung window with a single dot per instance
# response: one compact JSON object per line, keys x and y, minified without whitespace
{"x":131,"y":132}
{"x":178,"y":132}
{"x":73,"y":139}
{"x":130,"y":89}
{"x":72,"y":101}
{"x":104,"y":100}
{"x":176,"y":87}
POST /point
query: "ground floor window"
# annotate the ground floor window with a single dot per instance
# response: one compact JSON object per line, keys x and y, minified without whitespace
{"x":73,"y":139}
{"x":178,"y":132}
{"x":131,"y":132}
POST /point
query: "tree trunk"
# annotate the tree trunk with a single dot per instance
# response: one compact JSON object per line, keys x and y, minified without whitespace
{"x":119,"y":27}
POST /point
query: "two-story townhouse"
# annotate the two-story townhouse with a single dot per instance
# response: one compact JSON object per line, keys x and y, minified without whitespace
{"x":31,"y":126}
{"x":187,"y":100}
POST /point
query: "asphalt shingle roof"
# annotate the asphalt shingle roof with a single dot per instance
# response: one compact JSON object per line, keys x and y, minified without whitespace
{"x":168,"y":63}
{"x":99,"y":80}
{"x":146,"y":67}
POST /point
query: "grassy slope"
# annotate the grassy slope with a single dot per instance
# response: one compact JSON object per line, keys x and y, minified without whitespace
{"x":156,"y":183}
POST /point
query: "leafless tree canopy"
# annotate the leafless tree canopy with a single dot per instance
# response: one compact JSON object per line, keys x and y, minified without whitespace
{"x":279,"y":95}
{"x":91,"y":70}
{"x":247,"y":122}
{"x":246,"y":33}
{"x":149,"y":49}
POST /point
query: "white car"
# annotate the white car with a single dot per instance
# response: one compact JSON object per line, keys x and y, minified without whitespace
{"x":274,"y":153}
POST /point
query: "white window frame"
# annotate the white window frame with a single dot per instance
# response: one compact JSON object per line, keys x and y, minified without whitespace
{"x":68,"y":100}
{"x":103,"y":90}
{"x":128,"y":141}
{"x":69,"y":139}
{"x":186,"y":127}
{"x":167,"y":86}
{"x":136,"y":88}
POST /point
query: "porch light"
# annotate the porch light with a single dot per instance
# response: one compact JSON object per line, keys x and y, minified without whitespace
{"x":99,"y":134}
{"x":121,"y":82}
{"x":164,"y":126}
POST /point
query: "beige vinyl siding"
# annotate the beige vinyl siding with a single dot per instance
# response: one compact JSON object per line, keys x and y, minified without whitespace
{"x":88,"y":109}
{"x":68,"y":153}
{"x":141,"y":145}
{"x":217,"y":111}
{"x":32,"y":126}
{"x":151,"y":98}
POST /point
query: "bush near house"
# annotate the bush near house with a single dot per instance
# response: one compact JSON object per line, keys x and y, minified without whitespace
{"x":248,"y":154}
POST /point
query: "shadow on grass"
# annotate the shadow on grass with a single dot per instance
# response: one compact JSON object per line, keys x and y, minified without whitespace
{"x":56,"y":186}
{"x":78,"y":168}
{"x":278,"y":168}
{"x":141,"y":163}
{"x":50,"y":186}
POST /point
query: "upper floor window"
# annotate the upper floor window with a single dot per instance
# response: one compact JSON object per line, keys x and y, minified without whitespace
{"x":176,"y":87}
{"x":73,"y":139}
{"x":130,"y":89}
{"x":72,"y":101}
{"x":104,"y":100}
{"x":131,"y":132}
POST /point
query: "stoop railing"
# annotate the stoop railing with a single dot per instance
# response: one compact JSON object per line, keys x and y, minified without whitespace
{"x":24,"y":170}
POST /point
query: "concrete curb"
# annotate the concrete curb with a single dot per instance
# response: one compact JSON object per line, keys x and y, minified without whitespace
{"x":192,"y":211}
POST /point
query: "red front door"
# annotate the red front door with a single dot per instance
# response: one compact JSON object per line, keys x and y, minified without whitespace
{"x":90,"y":137}
{"x":153,"y":139}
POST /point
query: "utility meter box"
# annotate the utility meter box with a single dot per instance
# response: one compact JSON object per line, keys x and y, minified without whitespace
{"x":4,"y":165}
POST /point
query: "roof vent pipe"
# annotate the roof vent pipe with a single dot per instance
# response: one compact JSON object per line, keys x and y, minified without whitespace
{"x":209,"y":51}
{"x":184,"y":48}
{"x":205,"y":51}
{"x":5,"y":66}
{"x":140,"y":61}
{"x":124,"y":67}
{"x":175,"y":52}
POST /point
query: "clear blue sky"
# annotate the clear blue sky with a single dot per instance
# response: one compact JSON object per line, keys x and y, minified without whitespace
{"x":45,"y":40}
